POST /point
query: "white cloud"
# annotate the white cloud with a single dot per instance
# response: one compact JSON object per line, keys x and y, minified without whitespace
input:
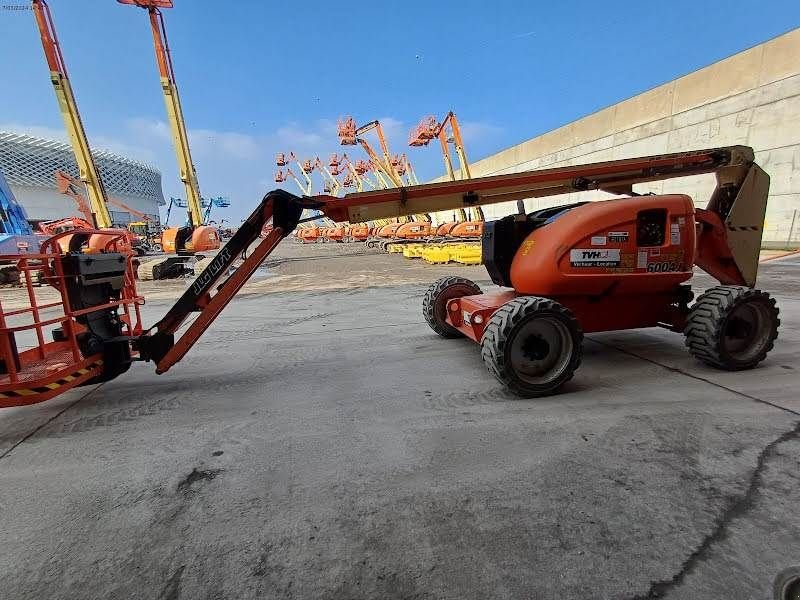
{"x":148,"y":128}
{"x":473,"y":131}
{"x":41,"y":131}
{"x":213,"y":143}
{"x":240,"y":165}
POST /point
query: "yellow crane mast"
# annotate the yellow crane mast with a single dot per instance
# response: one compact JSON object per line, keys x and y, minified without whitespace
{"x":87,"y":168}
{"x":197,"y":236}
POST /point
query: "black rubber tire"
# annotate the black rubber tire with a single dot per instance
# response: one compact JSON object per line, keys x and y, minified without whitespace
{"x":502,"y":329}
{"x":787,"y":584}
{"x":710,"y":319}
{"x":434,"y":304}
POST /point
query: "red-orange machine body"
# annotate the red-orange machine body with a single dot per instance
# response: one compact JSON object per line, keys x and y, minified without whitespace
{"x":336,"y":233}
{"x":359,"y":232}
{"x":616,"y":264}
{"x":445,"y":228}
{"x":467,"y":229}
{"x":414,"y":230}
{"x":308,"y":235}
{"x":187,"y":240}
{"x":388,"y":231}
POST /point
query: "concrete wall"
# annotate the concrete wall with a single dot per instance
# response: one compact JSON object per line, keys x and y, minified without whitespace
{"x":751,"y":98}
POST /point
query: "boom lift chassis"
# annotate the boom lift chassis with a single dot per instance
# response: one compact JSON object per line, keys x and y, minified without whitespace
{"x":728,"y":240}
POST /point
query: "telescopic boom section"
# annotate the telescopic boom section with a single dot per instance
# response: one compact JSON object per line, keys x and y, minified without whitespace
{"x":169,"y":87}
{"x":87,"y":169}
{"x":732,"y":220}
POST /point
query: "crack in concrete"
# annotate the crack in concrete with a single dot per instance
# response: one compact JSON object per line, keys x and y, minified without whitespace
{"x":736,"y":509}
{"x":40,"y":427}
{"x":693,"y":376}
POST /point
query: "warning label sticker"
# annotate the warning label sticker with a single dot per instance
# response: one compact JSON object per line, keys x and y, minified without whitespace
{"x":593,"y":257}
{"x":618,"y":236}
{"x":641,"y":259}
{"x":675,"y":234}
{"x":598,"y":240}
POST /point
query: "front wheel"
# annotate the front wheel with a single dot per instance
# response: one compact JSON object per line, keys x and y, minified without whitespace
{"x":732,"y":327}
{"x":532,"y":345}
{"x":434,"y":304}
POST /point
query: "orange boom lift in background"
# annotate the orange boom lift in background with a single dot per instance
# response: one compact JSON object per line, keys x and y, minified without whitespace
{"x":196,"y":236}
{"x":428,"y":129}
{"x":616,"y":264}
{"x":96,"y":212}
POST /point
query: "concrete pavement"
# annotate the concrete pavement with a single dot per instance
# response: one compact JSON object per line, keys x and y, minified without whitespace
{"x":329,"y":445}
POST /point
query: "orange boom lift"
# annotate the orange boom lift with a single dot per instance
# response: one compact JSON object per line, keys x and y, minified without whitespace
{"x":428,"y":129}
{"x":617,"y":264}
{"x":196,"y":236}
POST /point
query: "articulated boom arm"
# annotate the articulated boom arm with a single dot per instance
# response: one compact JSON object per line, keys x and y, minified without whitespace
{"x":68,"y":186}
{"x":733,"y":220}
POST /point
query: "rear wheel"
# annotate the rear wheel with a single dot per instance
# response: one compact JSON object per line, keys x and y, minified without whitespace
{"x":732,"y":327}
{"x":434,"y":304}
{"x":532,"y":345}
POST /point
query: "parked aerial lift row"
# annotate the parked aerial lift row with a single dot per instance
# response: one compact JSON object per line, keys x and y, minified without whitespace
{"x":564,"y":271}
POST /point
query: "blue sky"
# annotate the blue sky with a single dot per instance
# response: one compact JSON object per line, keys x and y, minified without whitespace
{"x":257,"y":77}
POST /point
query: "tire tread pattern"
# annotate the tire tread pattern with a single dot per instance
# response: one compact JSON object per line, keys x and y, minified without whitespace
{"x":436,"y":292}
{"x":499,"y":328}
{"x":708,"y":316}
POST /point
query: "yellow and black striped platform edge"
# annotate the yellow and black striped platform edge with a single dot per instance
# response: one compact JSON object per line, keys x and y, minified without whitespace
{"x":22,"y":392}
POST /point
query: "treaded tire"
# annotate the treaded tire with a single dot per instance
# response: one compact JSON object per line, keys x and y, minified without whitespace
{"x":434,"y":304}
{"x":787,"y":584}
{"x":713,"y":318}
{"x":516,"y":317}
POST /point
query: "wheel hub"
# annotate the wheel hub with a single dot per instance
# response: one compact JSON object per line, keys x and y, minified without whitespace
{"x":540,"y":350}
{"x":746,"y":331}
{"x":535,"y":347}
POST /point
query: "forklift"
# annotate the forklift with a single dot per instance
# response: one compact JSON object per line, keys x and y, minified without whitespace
{"x":563,"y":271}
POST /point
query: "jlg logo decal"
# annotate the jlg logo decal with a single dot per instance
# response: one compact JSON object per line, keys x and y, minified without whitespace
{"x":219,"y":262}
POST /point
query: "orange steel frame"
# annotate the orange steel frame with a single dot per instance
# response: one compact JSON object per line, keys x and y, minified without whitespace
{"x":50,"y":368}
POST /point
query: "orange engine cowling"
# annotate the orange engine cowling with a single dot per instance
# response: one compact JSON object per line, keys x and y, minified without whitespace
{"x":640,"y":245}
{"x":467,"y":229}
{"x":388,"y":231}
{"x":445,"y":228}
{"x":414,"y":230}
{"x":190,"y":240}
{"x":205,"y":237}
{"x":308,"y":235}
{"x":359,"y":232}
{"x":97,"y":242}
{"x":336,"y":234}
